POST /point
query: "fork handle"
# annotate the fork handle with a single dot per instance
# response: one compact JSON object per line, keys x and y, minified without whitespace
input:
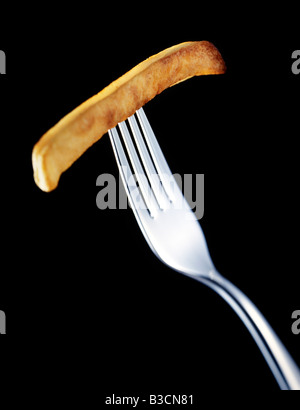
{"x":283,"y":367}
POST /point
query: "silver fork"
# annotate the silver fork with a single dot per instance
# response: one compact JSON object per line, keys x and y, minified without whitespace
{"x":175,"y":235}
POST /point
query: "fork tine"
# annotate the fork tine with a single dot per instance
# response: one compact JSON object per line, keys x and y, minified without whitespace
{"x":159,"y":160}
{"x":148,"y":164}
{"x":125,"y":172}
{"x":138,"y":169}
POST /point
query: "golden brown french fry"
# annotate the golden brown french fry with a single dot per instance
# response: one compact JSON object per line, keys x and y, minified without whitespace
{"x":64,"y":143}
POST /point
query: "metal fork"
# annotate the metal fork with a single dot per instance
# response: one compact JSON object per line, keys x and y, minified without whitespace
{"x":175,"y":235}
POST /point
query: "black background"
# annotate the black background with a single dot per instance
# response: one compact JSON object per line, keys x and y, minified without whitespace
{"x":80,"y":287}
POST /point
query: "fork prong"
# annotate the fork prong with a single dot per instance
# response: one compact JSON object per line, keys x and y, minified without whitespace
{"x":138,"y":169}
{"x":136,"y":201}
{"x":159,"y":160}
{"x":150,"y":170}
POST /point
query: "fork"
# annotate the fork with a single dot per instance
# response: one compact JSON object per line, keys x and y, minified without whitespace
{"x":175,"y":236}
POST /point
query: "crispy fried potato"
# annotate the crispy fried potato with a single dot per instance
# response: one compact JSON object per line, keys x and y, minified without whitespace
{"x":64,"y":143}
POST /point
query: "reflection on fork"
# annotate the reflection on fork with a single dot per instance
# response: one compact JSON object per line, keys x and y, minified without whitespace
{"x":175,"y":235}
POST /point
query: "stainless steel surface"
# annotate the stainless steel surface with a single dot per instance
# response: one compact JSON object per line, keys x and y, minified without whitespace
{"x":175,"y":235}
